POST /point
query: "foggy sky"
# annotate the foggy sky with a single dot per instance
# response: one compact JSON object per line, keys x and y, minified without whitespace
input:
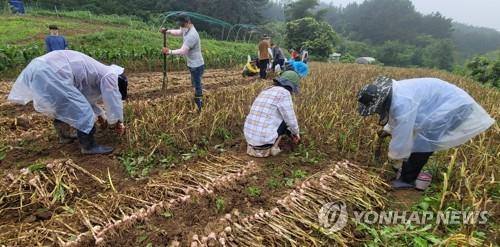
{"x":485,"y":13}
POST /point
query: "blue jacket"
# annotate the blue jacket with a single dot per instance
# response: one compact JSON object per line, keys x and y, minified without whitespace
{"x":54,"y":43}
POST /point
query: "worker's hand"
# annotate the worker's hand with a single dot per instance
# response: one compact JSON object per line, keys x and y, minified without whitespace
{"x":382,"y":134}
{"x":163,"y":30}
{"x":102,"y":122}
{"x":296,"y":139}
{"x":165,"y":51}
{"x":120,"y":128}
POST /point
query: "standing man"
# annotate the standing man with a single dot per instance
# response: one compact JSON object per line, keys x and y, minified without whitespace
{"x":67,"y":85}
{"x":264,"y":55}
{"x":423,"y":115}
{"x":278,"y":57}
{"x":272,"y":116}
{"x":191,"y":48}
{"x":54,"y":41}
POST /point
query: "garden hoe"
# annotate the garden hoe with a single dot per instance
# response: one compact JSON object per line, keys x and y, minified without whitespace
{"x":165,"y":78}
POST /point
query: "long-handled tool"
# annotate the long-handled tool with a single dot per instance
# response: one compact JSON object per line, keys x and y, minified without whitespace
{"x":165,"y":78}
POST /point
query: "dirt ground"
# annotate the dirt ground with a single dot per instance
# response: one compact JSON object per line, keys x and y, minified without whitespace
{"x":31,"y":139}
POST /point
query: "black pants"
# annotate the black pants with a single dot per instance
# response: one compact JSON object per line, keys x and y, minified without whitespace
{"x":413,"y":166}
{"x":280,"y":62}
{"x":263,"y":68}
{"x":282,"y":130}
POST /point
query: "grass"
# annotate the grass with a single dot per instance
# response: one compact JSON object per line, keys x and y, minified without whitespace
{"x":24,"y":30}
{"x":110,"y":39}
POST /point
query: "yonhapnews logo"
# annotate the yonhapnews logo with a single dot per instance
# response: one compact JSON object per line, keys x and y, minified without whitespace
{"x":334,"y":216}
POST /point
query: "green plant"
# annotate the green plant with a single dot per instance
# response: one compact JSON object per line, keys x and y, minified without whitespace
{"x":36,"y":167}
{"x":136,"y":165}
{"x":223,"y":133}
{"x":298,"y":174}
{"x":307,"y":154}
{"x":318,"y":37}
{"x":400,"y":235}
{"x":274,"y":183}
{"x":219,"y":204}
{"x":3,"y":152}
{"x":254,"y":191}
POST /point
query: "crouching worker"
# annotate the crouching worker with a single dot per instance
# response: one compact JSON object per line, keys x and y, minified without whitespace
{"x":66,"y":85}
{"x":301,"y":68}
{"x":272,"y":116}
{"x":251,"y":68}
{"x":423,"y":116}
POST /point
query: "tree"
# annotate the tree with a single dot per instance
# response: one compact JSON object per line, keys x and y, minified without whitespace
{"x":381,"y":20}
{"x":436,"y":25}
{"x":478,"y":68}
{"x":300,"y":9}
{"x":471,"y":41}
{"x":439,"y":55}
{"x":396,"y":53}
{"x":484,"y":70}
{"x":318,"y":37}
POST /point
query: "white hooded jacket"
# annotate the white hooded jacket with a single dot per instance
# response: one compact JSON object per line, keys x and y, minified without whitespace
{"x":67,"y":85}
{"x":429,"y":114}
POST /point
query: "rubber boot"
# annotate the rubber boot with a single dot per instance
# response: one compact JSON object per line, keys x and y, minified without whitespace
{"x":64,"y":132}
{"x":199,"y":102}
{"x":88,"y":145}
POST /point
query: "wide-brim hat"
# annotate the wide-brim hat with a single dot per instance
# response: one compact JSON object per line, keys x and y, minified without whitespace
{"x":372,"y":96}
{"x":289,"y":79}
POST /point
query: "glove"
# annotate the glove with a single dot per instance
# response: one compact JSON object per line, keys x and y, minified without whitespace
{"x":120,"y":128}
{"x":296,"y":139}
{"x":382,"y":134}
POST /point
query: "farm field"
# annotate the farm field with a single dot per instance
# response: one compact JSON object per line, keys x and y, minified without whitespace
{"x":108,"y":38}
{"x":178,"y":178}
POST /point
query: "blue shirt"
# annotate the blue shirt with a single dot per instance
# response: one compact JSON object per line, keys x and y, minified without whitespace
{"x":54,"y":43}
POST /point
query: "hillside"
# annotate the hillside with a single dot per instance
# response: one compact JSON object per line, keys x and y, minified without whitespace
{"x":111,"y":39}
{"x":471,"y":40}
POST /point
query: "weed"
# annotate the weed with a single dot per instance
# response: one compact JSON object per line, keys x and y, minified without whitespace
{"x":298,"y":174}
{"x":223,"y":133}
{"x":254,"y":191}
{"x":136,"y":166}
{"x":307,"y":154}
{"x":219,"y":204}
{"x":167,"y":214}
{"x":36,"y":167}
{"x":3,"y":152}
{"x":274,"y":183}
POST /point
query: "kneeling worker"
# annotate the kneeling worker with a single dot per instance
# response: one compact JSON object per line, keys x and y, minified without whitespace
{"x":251,"y":68}
{"x":66,"y":85}
{"x":423,"y":115}
{"x":272,"y":116}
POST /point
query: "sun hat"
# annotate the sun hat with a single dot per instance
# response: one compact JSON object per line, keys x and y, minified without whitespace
{"x":289,"y":79}
{"x":371,"y":97}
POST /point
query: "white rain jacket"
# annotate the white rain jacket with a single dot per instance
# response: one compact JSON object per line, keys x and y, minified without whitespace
{"x":429,"y":114}
{"x":67,"y":85}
